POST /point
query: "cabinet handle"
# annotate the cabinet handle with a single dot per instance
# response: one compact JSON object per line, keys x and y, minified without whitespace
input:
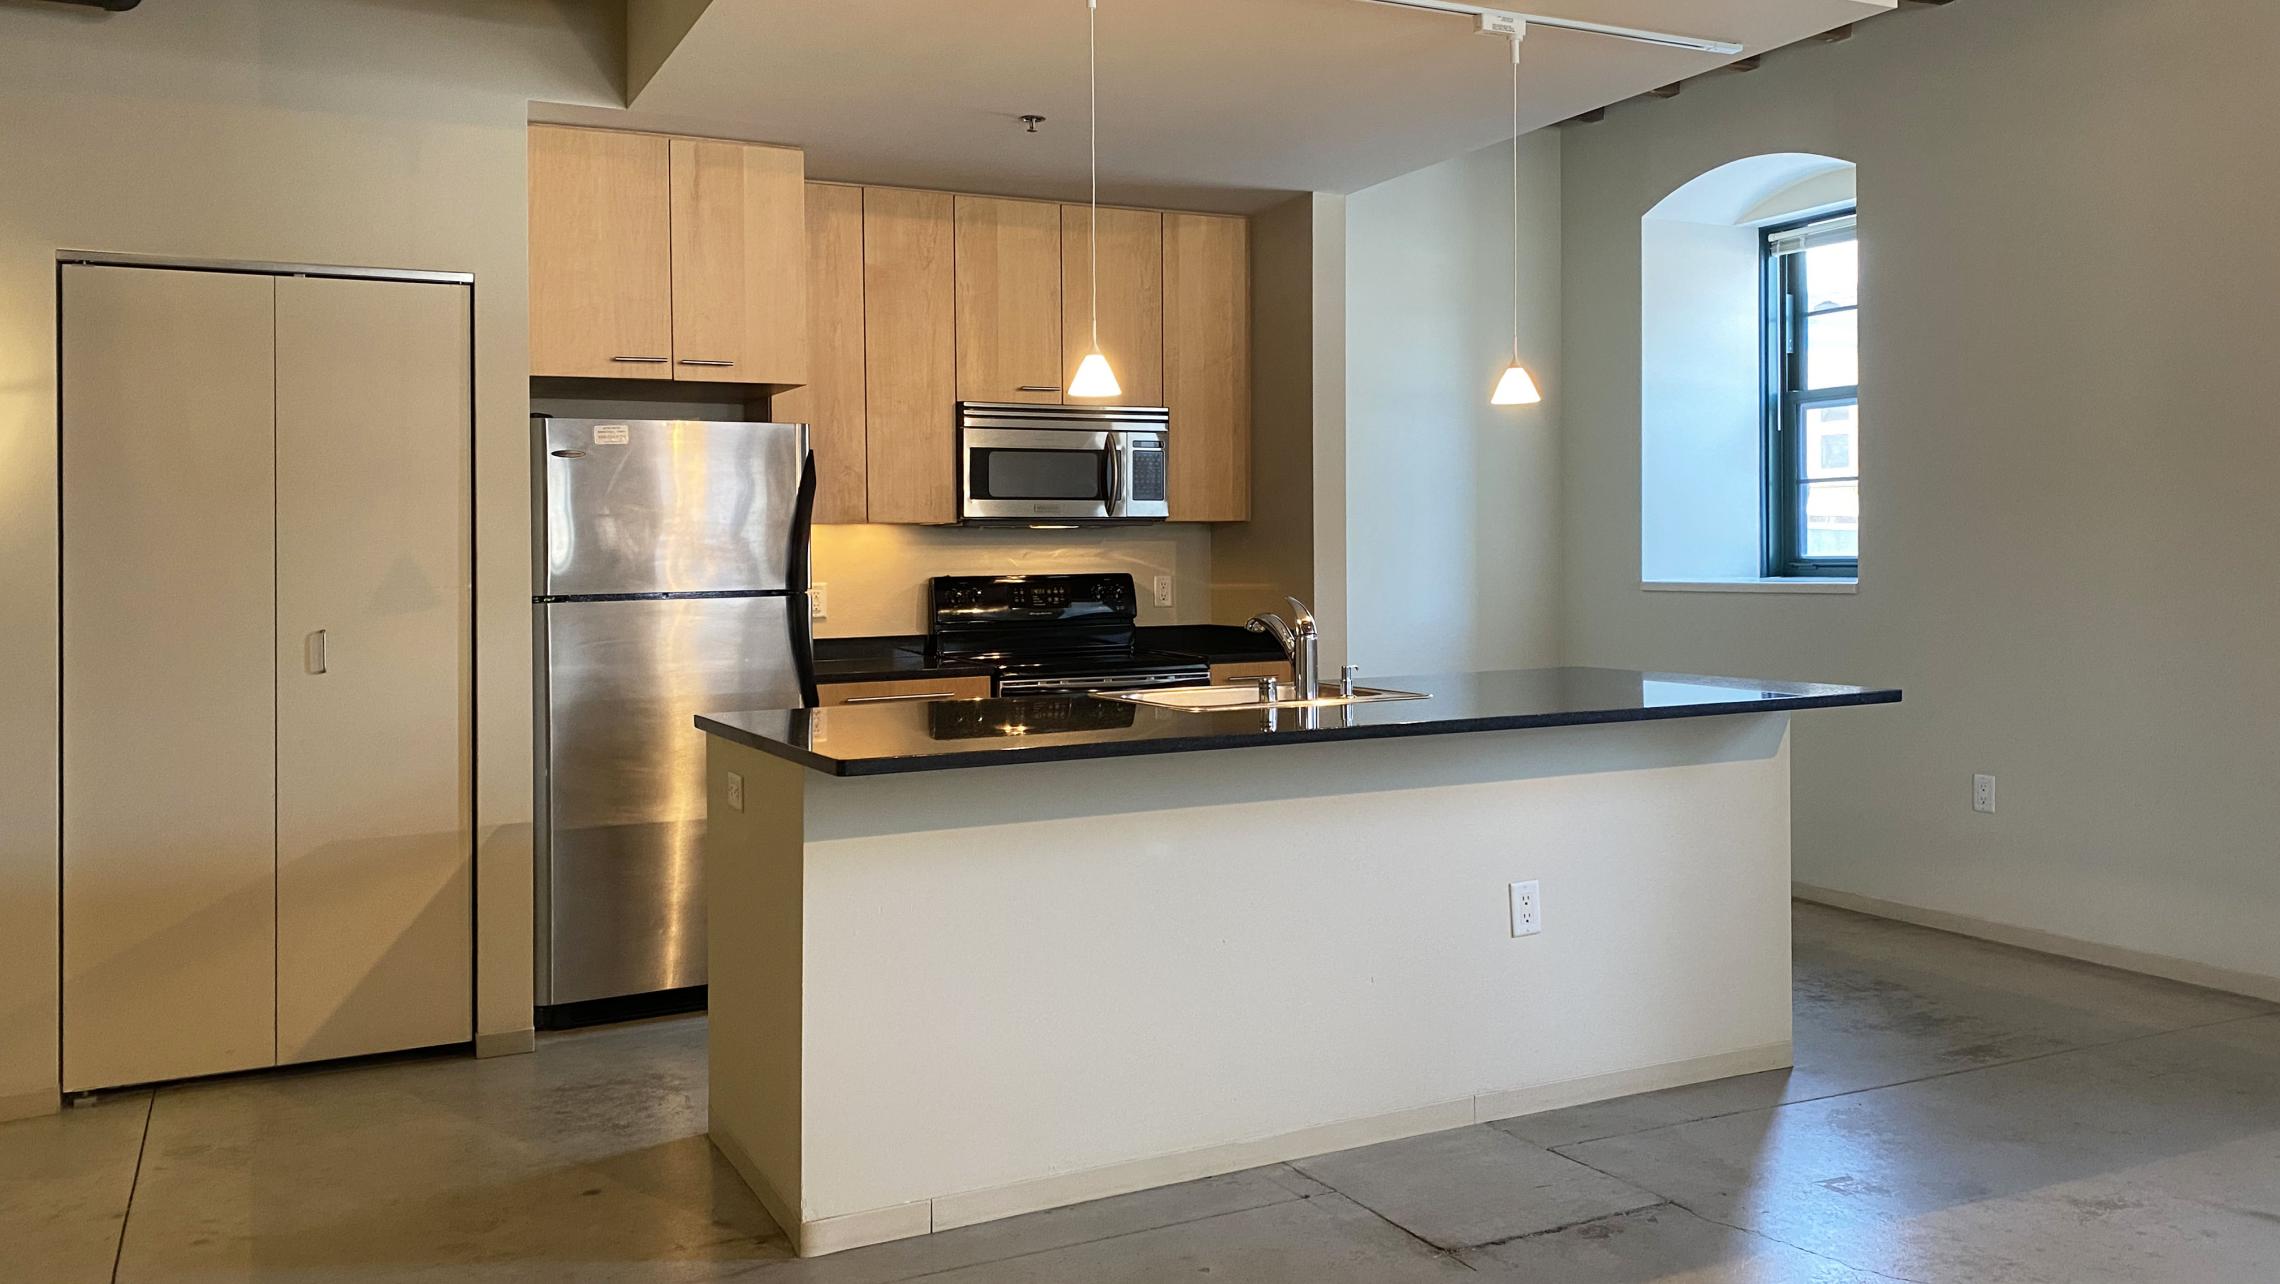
{"x":693,"y":361}
{"x":313,"y":652}
{"x":1036,"y":387}
{"x":908,"y":695}
{"x":649,"y":361}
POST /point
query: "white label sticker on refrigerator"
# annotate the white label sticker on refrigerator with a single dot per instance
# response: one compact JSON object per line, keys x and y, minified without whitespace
{"x":609,"y":434}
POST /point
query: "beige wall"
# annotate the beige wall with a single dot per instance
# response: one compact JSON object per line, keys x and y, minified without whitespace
{"x":2069,"y":274}
{"x":372,"y":132}
{"x":875,"y":576}
{"x":1452,"y":504}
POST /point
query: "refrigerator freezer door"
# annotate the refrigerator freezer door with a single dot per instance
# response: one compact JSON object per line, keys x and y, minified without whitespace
{"x":623,"y":907}
{"x":668,"y":506}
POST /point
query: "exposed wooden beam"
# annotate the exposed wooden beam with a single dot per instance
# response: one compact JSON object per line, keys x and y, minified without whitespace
{"x":1592,"y":117}
{"x":1670,"y":90}
{"x":1835,"y":34}
{"x":1750,"y":63}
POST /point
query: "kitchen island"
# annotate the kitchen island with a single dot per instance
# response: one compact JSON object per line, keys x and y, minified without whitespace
{"x":977,"y":958}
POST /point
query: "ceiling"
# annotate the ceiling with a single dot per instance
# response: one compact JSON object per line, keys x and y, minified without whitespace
{"x":1211,"y":104}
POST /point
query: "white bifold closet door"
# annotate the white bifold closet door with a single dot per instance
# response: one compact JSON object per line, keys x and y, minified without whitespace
{"x":375,"y":667}
{"x":267,"y":671}
{"x":169,"y":700}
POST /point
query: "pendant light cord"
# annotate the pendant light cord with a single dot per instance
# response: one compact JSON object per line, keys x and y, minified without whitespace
{"x":1092,"y":234}
{"x":1516,"y":199}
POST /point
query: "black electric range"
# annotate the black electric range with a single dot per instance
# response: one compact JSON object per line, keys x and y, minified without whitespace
{"x":1045,"y":634}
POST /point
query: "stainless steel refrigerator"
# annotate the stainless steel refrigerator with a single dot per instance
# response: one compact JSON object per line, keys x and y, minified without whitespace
{"x":671,"y":579}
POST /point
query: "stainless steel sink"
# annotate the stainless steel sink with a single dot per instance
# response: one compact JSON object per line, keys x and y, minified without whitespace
{"x":1223,"y":698}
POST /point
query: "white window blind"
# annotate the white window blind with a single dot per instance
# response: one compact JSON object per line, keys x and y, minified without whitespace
{"x":1829,"y":231}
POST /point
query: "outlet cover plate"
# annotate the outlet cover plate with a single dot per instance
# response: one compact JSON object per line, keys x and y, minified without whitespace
{"x":1527,"y":908}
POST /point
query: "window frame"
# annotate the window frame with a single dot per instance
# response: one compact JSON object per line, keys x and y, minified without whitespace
{"x":1786,"y":401}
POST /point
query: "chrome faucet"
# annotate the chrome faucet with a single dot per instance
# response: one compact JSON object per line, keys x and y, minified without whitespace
{"x":1299,"y":642}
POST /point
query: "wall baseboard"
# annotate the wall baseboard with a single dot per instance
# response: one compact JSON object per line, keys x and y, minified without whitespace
{"x":946,"y":1212}
{"x":2254,"y":985}
{"x":30,"y":1105}
{"x":506,"y":1043}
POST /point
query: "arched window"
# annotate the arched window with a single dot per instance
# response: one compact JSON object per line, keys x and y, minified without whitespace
{"x":1750,"y":422}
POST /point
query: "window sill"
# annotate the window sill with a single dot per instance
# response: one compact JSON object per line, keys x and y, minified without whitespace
{"x":1795,"y":584}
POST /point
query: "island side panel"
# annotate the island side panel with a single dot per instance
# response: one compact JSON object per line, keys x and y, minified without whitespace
{"x":1033,"y":984}
{"x":753,"y":871}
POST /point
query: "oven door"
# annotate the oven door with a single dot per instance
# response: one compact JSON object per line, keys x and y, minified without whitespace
{"x":1039,"y":475}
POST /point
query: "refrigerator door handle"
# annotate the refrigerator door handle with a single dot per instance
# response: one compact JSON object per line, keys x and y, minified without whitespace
{"x":313,"y":652}
{"x":798,"y":568}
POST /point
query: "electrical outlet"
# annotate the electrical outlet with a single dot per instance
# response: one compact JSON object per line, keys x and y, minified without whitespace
{"x":1983,"y":794}
{"x":1527,"y":909}
{"x":1163,"y":590}
{"x":735,"y":792}
{"x":818,"y":601}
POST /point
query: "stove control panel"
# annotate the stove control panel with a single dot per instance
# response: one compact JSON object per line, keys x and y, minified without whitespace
{"x":981,"y":599}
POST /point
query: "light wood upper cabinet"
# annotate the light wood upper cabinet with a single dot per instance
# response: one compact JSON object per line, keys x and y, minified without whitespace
{"x":1131,"y":270}
{"x":1207,"y":365}
{"x":831,"y":404}
{"x":910,"y":310}
{"x":666,"y":258}
{"x":601,"y":260}
{"x":1009,"y":300}
{"x":739,"y":263}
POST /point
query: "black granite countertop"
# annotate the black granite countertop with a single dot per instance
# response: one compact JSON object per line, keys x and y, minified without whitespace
{"x":887,"y":739}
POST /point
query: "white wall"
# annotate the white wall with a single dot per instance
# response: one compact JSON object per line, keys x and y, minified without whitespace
{"x":377,"y":132}
{"x":2069,"y":279}
{"x":1699,"y":406}
{"x":1255,"y":564}
{"x":1451,"y":504}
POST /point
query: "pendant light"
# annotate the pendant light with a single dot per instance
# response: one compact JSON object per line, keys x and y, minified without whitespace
{"x":1516,"y":387}
{"x":1093,"y":377}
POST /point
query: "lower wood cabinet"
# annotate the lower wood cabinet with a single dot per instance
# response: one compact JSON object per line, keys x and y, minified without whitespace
{"x":267,"y":697}
{"x":972,"y":687}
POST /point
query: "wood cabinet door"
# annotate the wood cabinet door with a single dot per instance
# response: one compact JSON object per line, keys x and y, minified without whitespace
{"x":169,"y":751}
{"x":740,"y":253}
{"x":910,"y":362}
{"x":1131,"y":272}
{"x":1207,"y":365}
{"x":601,"y":270}
{"x":375,"y":668}
{"x":831,"y":403}
{"x":1009,"y":300}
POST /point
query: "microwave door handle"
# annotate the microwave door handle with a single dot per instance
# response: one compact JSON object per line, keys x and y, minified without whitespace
{"x":1112,"y":461}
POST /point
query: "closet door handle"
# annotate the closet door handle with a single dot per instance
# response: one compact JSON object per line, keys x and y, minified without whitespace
{"x":647,"y":361}
{"x":313,"y":651}
{"x":701,"y":361}
{"x":1037,"y":387}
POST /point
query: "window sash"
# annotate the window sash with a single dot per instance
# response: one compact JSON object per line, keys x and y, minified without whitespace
{"x":1787,"y":399}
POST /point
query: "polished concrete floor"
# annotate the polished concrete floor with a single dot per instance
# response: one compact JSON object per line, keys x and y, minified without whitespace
{"x":1959,"y":1112}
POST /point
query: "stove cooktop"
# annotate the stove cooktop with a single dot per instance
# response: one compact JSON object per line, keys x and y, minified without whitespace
{"x":1051,"y":632}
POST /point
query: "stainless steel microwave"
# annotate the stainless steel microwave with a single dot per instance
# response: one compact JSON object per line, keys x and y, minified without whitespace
{"x":1061,"y":465}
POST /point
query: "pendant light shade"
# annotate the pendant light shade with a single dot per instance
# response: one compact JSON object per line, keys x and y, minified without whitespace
{"x":1093,"y":377}
{"x":1516,"y":388}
